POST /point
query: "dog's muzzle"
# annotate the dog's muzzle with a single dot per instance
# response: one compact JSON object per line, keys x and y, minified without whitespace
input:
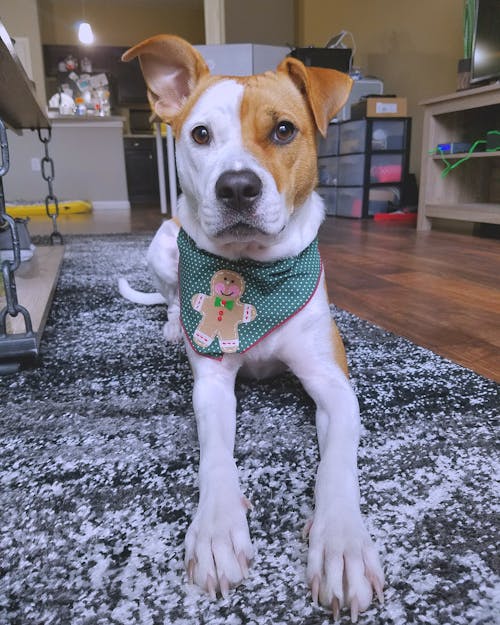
{"x":238,"y":190}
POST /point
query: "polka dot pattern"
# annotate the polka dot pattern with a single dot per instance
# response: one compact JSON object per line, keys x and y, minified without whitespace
{"x":278,"y":290}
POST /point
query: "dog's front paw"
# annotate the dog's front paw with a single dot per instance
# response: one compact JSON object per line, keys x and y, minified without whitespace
{"x":343,"y":567}
{"x":172,"y":330}
{"x":218,"y":546}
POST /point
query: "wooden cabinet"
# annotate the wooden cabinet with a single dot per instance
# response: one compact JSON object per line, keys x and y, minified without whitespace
{"x":363,"y":166}
{"x":460,"y":186}
{"x":142,"y":170}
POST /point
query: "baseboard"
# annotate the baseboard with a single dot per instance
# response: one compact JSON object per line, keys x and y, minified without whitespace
{"x":488,"y":231}
{"x":106,"y":205}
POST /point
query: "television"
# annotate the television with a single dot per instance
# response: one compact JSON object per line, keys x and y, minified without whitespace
{"x":486,"y":44}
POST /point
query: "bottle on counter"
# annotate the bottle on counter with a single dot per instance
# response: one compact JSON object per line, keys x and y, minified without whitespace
{"x":86,"y":65}
{"x":80,"y":108}
{"x":102,"y":105}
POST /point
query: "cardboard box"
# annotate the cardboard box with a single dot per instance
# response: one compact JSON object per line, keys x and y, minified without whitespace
{"x":379,"y":106}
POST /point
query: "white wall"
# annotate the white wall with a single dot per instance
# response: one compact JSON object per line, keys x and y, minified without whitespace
{"x":20,"y":18}
{"x":413,"y":46}
{"x":260,"y":21}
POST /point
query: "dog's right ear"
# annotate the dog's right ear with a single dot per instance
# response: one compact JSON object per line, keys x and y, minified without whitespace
{"x":171,"y":69}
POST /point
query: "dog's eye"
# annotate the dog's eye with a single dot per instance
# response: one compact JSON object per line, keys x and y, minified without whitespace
{"x":284,"y":132}
{"x":201,"y":135}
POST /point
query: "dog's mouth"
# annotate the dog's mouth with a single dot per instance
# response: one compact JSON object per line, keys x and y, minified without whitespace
{"x":241,"y":232}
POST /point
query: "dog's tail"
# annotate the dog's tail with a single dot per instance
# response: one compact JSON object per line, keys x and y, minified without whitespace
{"x":138,"y":297}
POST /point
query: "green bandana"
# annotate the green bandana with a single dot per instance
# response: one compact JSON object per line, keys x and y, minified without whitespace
{"x":229,"y":306}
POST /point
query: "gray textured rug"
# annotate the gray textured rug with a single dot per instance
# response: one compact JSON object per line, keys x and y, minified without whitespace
{"x":98,"y":471}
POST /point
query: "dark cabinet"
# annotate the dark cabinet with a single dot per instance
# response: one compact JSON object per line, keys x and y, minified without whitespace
{"x":142,"y":170}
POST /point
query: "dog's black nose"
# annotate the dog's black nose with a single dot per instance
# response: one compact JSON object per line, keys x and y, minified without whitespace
{"x":238,"y":189}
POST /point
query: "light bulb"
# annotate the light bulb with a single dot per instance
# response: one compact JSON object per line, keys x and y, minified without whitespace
{"x":85,"y":34}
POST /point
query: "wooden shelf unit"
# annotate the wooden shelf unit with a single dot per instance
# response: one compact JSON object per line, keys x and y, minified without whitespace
{"x":471,"y":191}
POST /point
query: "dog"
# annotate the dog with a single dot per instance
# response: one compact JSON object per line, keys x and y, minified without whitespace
{"x":249,"y":297}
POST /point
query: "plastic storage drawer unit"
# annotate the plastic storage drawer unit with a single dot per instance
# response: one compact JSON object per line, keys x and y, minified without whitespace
{"x":350,"y":200}
{"x":380,"y":199}
{"x":385,"y":135}
{"x":329,"y":145}
{"x":386,"y":168}
{"x":352,"y":137}
{"x":388,"y":134}
{"x":368,"y":174}
{"x":329,"y":195}
{"x":328,"y":170}
{"x":351,"y":170}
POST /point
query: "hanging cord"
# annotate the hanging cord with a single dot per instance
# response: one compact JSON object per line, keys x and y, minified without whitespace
{"x":48,"y":174}
{"x":450,"y":166}
{"x":336,"y":42}
{"x":497,"y":148}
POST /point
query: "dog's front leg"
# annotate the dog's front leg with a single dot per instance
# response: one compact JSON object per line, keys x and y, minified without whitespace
{"x":343,"y":566}
{"x":218,"y":546}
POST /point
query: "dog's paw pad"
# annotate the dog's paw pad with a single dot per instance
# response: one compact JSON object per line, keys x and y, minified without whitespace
{"x":218,"y":548}
{"x":343,"y":567}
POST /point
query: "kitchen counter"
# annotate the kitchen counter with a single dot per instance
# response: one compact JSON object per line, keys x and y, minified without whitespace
{"x":139,"y":135}
{"x":88,"y":157}
{"x":86,"y":120}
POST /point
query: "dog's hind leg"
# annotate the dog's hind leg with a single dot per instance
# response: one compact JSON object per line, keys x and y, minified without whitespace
{"x":163,"y":260}
{"x":218,"y":546}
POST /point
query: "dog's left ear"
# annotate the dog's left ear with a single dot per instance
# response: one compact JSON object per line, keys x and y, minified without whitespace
{"x":172,"y":68}
{"x":326,"y":90}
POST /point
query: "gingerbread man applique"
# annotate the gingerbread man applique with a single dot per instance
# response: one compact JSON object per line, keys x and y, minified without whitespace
{"x":222,"y":311}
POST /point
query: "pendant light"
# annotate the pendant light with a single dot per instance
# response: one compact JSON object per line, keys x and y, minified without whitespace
{"x":85,"y":34}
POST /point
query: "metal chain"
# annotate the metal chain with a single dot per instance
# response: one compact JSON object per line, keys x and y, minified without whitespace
{"x":12,"y":308}
{"x":48,"y":174}
{"x":4,"y":165}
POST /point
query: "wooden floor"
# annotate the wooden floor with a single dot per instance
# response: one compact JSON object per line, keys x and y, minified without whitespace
{"x":440,"y":290}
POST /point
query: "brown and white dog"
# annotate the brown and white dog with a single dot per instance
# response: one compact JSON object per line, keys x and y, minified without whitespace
{"x":246,"y":157}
